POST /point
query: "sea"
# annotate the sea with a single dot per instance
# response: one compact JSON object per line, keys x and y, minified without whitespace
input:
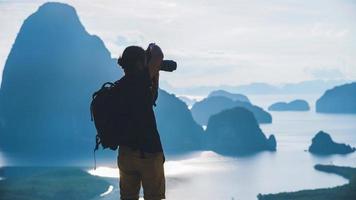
{"x":206,"y":175}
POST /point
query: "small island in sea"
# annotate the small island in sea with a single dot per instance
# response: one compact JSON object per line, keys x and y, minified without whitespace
{"x":236,"y":131}
{"x":345,"y":192}
{"x":296,"y":105}
{"x":323,"y":144}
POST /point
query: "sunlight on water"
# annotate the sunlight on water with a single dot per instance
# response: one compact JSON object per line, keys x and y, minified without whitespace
{"x":172,"y":168}
{"x":105,"y":172}
{"x":197,"y":164}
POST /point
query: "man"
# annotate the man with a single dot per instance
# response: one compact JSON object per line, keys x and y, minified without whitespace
{"x":141,"y":160}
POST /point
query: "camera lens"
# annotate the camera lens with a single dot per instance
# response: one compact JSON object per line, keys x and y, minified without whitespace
{"x":168,"y":65}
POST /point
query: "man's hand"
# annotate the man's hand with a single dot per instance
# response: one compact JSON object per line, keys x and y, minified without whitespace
{"x":155,"y":61}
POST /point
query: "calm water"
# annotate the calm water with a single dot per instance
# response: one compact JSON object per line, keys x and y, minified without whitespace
{"x":207,"y":175}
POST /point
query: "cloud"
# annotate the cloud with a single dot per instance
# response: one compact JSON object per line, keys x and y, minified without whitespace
{"x":219,"y":43}
{"x":131,"y":38}
{"x":326,"y":73}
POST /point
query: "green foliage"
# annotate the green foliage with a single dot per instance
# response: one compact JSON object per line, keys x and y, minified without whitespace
{"x":51,"y":184}
{"x":345,"y":192}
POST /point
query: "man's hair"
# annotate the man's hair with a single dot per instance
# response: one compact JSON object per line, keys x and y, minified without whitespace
{"x":130,"y":57}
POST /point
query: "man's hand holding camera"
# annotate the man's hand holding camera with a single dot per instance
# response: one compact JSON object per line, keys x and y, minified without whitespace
{"x":155,"y":58}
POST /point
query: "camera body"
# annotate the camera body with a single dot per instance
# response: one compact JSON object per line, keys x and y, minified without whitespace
{"x":166,"y":65}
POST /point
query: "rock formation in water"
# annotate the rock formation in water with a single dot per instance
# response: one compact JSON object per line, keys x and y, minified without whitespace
{"x":323,"y":144}
{"x":340,"y":99}
{"x":233,"y":96}
{"x":50,"y":74}
{"x":236,"y":131}
{"x":178,"y":130}
{"x":203,"y":109}
{"x":296,"y":105}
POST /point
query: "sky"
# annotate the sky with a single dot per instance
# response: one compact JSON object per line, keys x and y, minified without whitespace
{"x":214,"y":42}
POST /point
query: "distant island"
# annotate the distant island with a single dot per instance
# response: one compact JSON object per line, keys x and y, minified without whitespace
{"x":344,"y":192}
{"x":209,"y":106}
{"x":260,"y":88}
{"x":340,"y":99}
{"x":323,"y":144}
{"x":233,"y":96}
{"x":50,"y":183}
{"x":187,"y":100}
{"x":236,"y":131}
{"x":296,"y":105}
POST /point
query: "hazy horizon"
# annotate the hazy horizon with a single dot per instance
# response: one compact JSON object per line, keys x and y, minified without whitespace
{"x":234,"y":43}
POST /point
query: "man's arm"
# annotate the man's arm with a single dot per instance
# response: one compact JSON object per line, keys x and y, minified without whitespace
{"x":155,"y":86}
{"x":148,"y":87}
{"x":154,"y":66}
{"x":155,"y":62}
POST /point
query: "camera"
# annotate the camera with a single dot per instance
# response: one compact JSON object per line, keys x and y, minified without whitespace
{"x":166,"y":65}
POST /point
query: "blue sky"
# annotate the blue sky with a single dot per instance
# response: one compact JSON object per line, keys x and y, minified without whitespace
{"x":230,"y":42}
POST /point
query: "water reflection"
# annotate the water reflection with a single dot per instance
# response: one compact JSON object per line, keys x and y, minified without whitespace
{"x":199,"y":163}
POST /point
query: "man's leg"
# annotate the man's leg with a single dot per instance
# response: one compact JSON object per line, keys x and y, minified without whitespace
{"x":130,"y":178}
{"x":153,"y":180}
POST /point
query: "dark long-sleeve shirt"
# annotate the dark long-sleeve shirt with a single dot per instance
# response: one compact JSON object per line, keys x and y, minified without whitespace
{"x":141,"y":96}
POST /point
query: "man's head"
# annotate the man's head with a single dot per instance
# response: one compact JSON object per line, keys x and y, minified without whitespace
{"x":133,"y":59}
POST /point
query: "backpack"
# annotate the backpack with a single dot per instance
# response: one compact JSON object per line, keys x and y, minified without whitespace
{"x":110,"y":112}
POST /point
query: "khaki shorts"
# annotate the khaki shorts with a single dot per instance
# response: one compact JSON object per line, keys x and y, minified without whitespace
{"x":135,"y":170}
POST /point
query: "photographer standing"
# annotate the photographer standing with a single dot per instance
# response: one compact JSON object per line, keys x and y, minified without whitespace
{"x":141,"y":160}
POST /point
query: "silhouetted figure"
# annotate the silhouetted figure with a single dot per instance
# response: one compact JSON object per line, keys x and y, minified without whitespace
{"x":141,"y":160}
